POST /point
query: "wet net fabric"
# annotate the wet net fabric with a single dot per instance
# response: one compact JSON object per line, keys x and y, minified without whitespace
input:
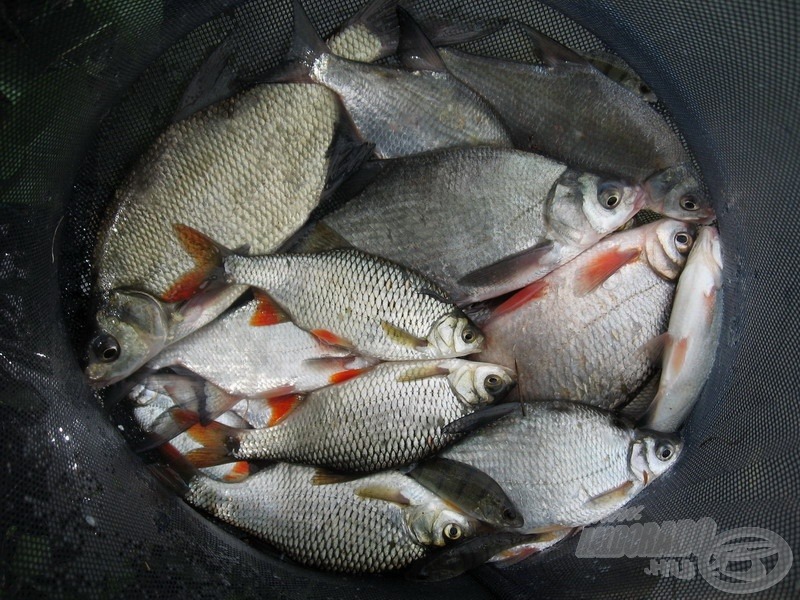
{"x":86,"y":87}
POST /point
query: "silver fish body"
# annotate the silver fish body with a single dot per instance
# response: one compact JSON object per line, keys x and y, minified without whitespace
{"x":577,"y":115}
{"x":339,"y":526}
{"x":404,"y":112}
{"x":389,"y":416}
{"x":450,"y":213}
{"x":362,"y":302}
{"x":565,"y":464}
{"x":693,"y":334}
{"x":583,"y":333}
{"x":248,"y":360}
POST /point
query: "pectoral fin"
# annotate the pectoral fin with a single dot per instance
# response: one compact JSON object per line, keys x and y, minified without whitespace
{"x":402,"y":337}
{"x":612,"y":498}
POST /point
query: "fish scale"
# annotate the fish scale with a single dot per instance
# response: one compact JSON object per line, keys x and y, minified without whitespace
{"x":377,"y":420}
{"x":196,"y":174}
{"x":591,"y":347}
{"x":352,"y":295}
{"x":325,"y":526}
{"x":555,"y":459}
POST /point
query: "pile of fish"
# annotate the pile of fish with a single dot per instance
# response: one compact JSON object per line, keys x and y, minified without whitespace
{"x":306,"y":374}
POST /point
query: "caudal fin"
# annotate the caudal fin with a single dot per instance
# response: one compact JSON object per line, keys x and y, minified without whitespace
{"x":207,"y":255}
{"x":307,"y":47}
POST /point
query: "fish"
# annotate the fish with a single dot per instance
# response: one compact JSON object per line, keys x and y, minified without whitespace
{"x":255,"y":351}
{"x":591,"y":330}
{"x":641,"y":400}
{"x":570,"y":111}
{"x":616,"y":69}
{"x":480,"y":222}
{"x":358,"y":301}
{"x":565,"y":464}
{"x":398,"y":111}
{"x":389,"y":416}
{"x":194,"y":174}
{"x":377,"y":523}
{"x":150,"y":399}
{"x":470,"y":490}
{"x":369,"y":35}
{"x":692,"y":336}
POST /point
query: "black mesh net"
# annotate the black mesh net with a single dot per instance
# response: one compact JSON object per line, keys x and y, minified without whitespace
{"x":86,"y":85}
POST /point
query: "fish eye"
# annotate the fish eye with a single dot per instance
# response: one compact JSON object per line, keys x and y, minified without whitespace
{"x":509,"y":514}
{"x":689,"y":203}
{"x":611,"y":201}
{"x":644,"y":89}
{"x":609,"y":195}
{"x":469,"y":335}
{"x":452,"y":531}
{"x":105,"y":347}
{"x":493,"y":383}
{"x":683,"y":242}
{"x":664,"y":451}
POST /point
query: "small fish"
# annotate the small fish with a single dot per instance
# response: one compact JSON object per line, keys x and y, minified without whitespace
{"x":378,"y":523}
{"x":469,"y":489}
{"x":616,"y":69}
{"x":693,"y":334}
{"x":565,"y":464}
{"x":589,"y":331}
{"x":361,"y":302}
{"x":586,"y":120}
{"x":400,"y":112}
{"x":389,"y":416}
{"x":254,"y":350}
{"x":480,"y":222}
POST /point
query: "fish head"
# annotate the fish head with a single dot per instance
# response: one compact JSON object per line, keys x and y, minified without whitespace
{"x":653,"y":454}
{"x":584,"y":208}
{"x":435,"y":523}
{"x":132,"y":328}
{"x":708,"y":246}
{"x":477,"y":384}
{"x":454,"y":335}
{"x":676,"y":192}
{"x":667,"y":244}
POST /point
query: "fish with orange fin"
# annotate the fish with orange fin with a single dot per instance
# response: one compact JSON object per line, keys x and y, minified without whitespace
{"x":592,"y":330}
{"x":566,"y":464}
{"x":254,"y":350}
{"x":693,"y":335}
{"x":357,"y":301}
{"x":389,"y":416}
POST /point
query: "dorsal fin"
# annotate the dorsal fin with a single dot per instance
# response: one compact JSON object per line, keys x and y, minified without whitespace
{"x":551,"y":52}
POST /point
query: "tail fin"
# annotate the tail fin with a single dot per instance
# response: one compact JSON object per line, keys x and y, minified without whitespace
{"x":415,"y":49}
{"x":208,"y":256}
{"x":217,"y":440}
{"x":177,"y":473}
{"x":307,"y":47}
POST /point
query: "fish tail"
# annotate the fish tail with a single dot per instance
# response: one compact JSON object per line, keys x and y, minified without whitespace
{"x":177,"y":473}
{"x":219,"y":442}
{"x":307,"y":47}
{"x":414,"y":48}
{"x":208,"y":256}
{"x":455,"y":29}
{"x":379,"y":17}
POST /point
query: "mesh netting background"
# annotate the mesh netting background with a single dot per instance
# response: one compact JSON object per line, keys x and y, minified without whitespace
{"x":86,"y":85}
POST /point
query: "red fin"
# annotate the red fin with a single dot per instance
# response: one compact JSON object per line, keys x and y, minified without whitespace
{"x":207,"y":256}
{"x":710,"y":300}
{"x":212,"y":435}
{"x":209,"y":457}
{"x":347,"y":374}
{"x":602,"y":267}
{"x":534,"y":291}
{"x":239,"y":472}
{"x":184,"y":418}
{"x":678,"y":357}
{"x":331,"y":338}
{"x":267,"y":312}
{"x":281,"y":407}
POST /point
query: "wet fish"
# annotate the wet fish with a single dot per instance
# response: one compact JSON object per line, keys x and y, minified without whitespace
{"x":361,"y":302}
{"x":194,"y":174}
{"x":387,"y":417}
{"x":566,"y":464}
{"x":692,"y":336}
{"x":255,"y":351}
{"x":588,"y":332}
{"x":400,"y":112}
{"x":480,"y":222}
{"x":368,"y":35}
{"x":377,"y":523}
{"x":572,"y":112}
{"x":470,"y":490}
{"x":616,"y":69}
